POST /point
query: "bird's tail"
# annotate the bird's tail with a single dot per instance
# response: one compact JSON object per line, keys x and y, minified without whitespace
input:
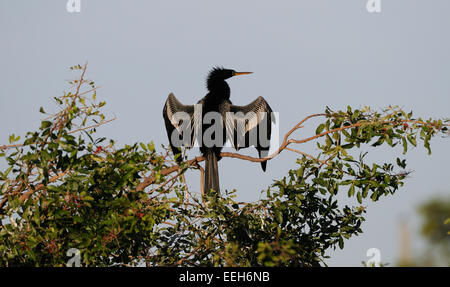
{"x":211,"y":177}
{"x":262,"y":154}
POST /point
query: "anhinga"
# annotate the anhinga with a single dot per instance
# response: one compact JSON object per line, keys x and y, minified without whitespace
{"x":255,"y":118}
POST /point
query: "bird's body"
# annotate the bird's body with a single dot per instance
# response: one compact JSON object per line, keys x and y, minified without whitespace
{"x":219,"y":120}
{"x":217,"y":100}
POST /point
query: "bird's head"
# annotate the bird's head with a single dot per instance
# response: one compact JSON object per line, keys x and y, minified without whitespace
{"x":223,"y":74}
{"x":218,"y":74}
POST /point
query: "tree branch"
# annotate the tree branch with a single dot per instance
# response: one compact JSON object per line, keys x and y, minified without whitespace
{"x":284,"y":146}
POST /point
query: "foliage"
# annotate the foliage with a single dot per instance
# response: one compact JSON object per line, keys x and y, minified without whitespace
{"x":447,"y":221}
{"x":65,"y":188}
{"x":434,"y":215}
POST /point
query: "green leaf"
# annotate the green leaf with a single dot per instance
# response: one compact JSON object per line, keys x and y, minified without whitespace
{"x":412,"y":140}
{"x":374,"y":196}
{"x":351,"y":190}
{"x":5,"y":186}
{"x":341,"y":242}
{"x":365,"y":191}
{"x":88,"y":198}
{"x":45,"y":124}
{"x":426,"y":143}
{"x":348,"y":146}
{"x":405,"y":145}
{"x":359,"y":197}
{"x":320,"y":129}
{"x":279,"y":216}
{"x":401,"y":163}
{"x":328,"y":141}
{"x":151,"y":146}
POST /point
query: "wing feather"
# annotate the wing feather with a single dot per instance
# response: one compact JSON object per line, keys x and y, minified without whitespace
{"x":174,"y":112}
{"x":242,"y":121}
{"x":249,"y":117}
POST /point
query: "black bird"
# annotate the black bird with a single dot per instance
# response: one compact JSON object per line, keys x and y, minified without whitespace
{"x":239,"y":124}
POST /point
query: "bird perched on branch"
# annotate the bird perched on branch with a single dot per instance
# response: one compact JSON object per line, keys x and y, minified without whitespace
{"x":214,"y":120}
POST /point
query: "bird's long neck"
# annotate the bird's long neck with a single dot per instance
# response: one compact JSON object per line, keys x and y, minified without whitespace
{"x":218,"y":90}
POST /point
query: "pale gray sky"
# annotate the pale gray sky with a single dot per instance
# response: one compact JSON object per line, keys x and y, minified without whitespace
{"x":305,"y":54}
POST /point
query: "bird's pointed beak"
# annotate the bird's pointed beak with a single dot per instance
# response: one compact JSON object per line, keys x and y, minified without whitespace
{"x":242,"y":73}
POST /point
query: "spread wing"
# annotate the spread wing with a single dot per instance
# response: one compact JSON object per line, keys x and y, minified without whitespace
{"x":180,"y":121}
{"x":251,"y":125}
